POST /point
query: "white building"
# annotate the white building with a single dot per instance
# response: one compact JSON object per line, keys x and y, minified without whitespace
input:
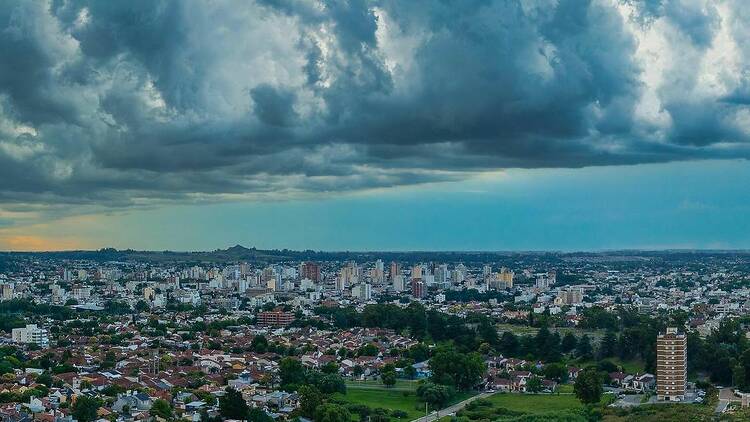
{"x":399,"y":284}
{"x":31,"y":334}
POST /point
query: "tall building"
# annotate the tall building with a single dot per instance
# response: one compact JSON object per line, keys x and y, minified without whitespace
{"x":310,"y":270}
{"x":399,"y":283}
{"x":506,"y":277}
{"x":486,"y":272}
{"x":362,"y":291}
{"x":416,"y":272}
{"x":459,"y":273}
{"x":569,"y":296}
{"x":671,"y":365}
{"x":31,"y":334}
{"x":442,"y":276}
{"x":395,"y":270}
{"x":418,"y":288}
{"x":350,"y":274}
{"x":377,"y":272}
{"x":340,"y":283}
{"x":7,"y":291}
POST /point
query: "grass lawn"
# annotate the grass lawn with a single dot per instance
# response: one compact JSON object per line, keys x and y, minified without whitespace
{"x":628,"y":366}
{"x":565,"y":388}
{"x":666,"y":412}
{"x":369,"y":394}
{"x":387,"y":399}
{"x":536,"y":403}
{"x":507,"y":406}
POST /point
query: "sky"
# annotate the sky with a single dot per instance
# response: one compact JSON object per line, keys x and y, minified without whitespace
{"x":374,"y":125}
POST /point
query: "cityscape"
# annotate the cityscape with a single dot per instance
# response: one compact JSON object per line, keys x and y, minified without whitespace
{"x":282,"y":335}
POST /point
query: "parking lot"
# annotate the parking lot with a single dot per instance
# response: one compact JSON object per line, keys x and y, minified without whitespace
{"x":629,"y":400}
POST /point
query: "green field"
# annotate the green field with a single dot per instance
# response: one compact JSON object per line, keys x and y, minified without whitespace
{"x":508,"y":406}
{"x":386,"y":399}
{"x":668,"y":413}
{"x":565,"y":388}
{"x":536,"y":403}
{"x":628,"y":366}
{"x":375,"y":395}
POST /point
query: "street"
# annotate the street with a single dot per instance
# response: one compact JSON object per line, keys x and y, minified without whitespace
{"x":451,"y":409}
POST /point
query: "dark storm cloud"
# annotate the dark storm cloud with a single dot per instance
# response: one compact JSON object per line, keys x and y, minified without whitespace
{"x":125,"y":103}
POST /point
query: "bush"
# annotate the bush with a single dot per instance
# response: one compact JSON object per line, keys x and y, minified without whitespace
{"x":399,"y":414}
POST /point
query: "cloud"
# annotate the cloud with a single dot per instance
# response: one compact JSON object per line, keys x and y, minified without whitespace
{"x":33,"y":243}
{"x":111,"y":104}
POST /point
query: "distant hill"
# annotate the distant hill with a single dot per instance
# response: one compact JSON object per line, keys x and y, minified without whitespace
{"x":239,"y":253}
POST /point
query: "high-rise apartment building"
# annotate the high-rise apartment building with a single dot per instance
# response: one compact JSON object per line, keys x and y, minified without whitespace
{"x":31,"y":334}
{"x":569,"y":296}
{"x":416,"y":272}
{"x":395,"y":270}
{"x":418,"y":288}
{"x":671,"y":365}
{"x":399,"y":283}
{"x":310,"y":270}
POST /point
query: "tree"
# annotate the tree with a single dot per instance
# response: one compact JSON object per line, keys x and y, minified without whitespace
{"x":588,"y":387}
{"x":141,"y":306}
{"x":327,"y":383}
{"x":458,"y":369}
{"x":388,"y":378}
{"x":45,"y":378}
{"x":738,"y":376}
{"x":435,"y":395}
{"x":330,"y":368}
{"x":84,"y":409}
{"x":410,"y":372}
{"x":542,"y":339}
{"x":259,"y":344}
{"x":509,"y":344}
{"x":291,"y":372}
{"x":556,"y":371}
{"x":161,"y":408}
{"x":584,"y":349}
{"x":367,"y":350}
{"x":608,"y":346}
{"x":419,"y":353}
{"x":357,"y":371}
{"x":232,"y":405}
{"x":569,"y":342}
{"x":330,"y":412}
{"x":258,"y":415}
{"x":309,"y":399}
{"x":534,"y":384}
{"x":485,"y":349}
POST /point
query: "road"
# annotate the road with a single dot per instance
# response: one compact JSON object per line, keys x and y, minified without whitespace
{"x":725,"y":397}
{"x":451,"y":409}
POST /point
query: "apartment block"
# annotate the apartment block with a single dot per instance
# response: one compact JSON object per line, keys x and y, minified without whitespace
{"x":671,"y":365}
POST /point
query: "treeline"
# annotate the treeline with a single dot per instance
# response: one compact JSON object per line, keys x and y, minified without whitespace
{"x":466,"y":333}
{"x":27,"y":307}
{"x":724,"y":354}
{"x":473,"y":295}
